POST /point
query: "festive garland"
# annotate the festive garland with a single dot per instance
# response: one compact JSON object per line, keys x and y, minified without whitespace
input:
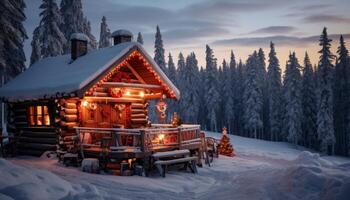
{"x":114,"y":92}
{"x":92,"y":106}
{"x":161,"y":108}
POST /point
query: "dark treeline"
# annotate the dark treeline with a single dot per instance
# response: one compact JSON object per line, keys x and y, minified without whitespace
{"x":305,"y":105}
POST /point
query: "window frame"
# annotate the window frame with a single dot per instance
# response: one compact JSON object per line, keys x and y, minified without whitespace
{"x":33,"y":116}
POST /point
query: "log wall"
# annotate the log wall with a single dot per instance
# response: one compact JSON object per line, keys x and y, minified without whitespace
{"x":67,"y":117}
{"x":31,"y":140}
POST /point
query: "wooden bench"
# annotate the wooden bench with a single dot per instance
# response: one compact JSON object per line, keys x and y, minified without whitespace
{"x":188,"y":161}
{"x":172,"y":158}
{"x":165,"y":154}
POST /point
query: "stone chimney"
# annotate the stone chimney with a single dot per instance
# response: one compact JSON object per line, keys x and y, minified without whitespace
{"x":79,"y":45}
{"x":121,"y":36}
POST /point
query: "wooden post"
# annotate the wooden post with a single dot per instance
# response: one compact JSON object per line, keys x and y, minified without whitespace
{"x":81,"y":143}
{"x":123,"y":168}
{"x":142,"y":137}
{"x":179,"y":137}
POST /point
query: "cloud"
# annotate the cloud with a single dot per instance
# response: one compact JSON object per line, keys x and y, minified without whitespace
{"x":303,"y":10}
{"x":278,"y":40}
{"x":322,"y":18}
{"x":274,"y":30}
{"x":175,"y":24}
{"x":313,"y":7}
{"x":220,"y":8}
{"x":178,"y":34}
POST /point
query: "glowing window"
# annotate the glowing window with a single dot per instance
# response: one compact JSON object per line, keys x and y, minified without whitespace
{"x":39,"y":116}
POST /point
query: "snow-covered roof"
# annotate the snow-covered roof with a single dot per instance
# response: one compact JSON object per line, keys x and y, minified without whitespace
{"x":79,"y":36}
{"x":57,"y":75}
{"x":122,"y":32}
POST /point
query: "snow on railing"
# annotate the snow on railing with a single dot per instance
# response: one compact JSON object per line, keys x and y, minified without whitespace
{"x":145,"y":139}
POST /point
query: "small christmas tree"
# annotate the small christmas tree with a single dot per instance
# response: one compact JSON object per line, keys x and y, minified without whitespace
{"x":225,"y":146}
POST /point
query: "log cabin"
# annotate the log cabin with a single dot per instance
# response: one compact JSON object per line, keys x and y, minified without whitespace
{"x":93,"y":102}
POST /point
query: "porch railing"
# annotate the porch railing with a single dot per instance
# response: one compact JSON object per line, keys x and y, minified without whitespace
{"x":157,"y":137}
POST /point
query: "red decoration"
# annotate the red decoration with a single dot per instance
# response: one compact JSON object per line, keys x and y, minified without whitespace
{"x":225,"y":146}
{"x":114,"y":92}
{"x":161,"y":108}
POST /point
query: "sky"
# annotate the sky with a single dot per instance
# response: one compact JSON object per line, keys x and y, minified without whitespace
{"x":238,"y":25}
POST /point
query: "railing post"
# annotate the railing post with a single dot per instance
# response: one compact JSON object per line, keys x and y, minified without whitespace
{"x":80,"y":142}
{"x":142,"y":137}
{"x":179,"y":137}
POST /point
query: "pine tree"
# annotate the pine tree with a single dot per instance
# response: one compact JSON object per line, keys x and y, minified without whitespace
{"x":139,"y":38}
{"x":232,"y":94}
{"x":342,"y":99}
{"x":309,"y":134}
{"x":36,"y":46}
{"x":173,"y":105}
{"x":87,"y":31}
{"x":159,"y":51}
{"x":252,"y":98}
{"x":189,"y":95}
{"x":227,"y":94}
{"x":239,"y":88}
{"x":274,"y":95}
{"x":263,"y":85}
{"x":325,"y":126}
{"x":212,"y":95}
{"x":220,"y":116}
{"x":179,"y":79}
{"x":75,"y":22}
{"x":12,"y":36}
{"x":105,"y":34}
{"x":292,"y":96}
{"x":159,"y":58}
{"x":172,"y":70}
{"x":292,"y":92}
{"x":48,"y":40}
{"x":202,"y":113}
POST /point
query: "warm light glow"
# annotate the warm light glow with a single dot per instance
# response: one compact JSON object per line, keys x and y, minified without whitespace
{"x":130,"y":162}
{"x":85,"y":103}
{"x":142,"y":94}
{"x":127,"y":93}
{"x":161,"y":136}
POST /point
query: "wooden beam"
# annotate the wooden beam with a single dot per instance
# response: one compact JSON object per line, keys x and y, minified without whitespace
{"x":135,"y":73}
{"x":131,"y":85}
{"x":153,"y":96}
{"x":112,"y":99}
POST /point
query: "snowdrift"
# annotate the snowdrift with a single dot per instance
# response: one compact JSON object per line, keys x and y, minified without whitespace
{"x":312,"y":177}
{"x":18,"y":182}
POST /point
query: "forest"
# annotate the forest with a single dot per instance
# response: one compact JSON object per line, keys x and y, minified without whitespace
{"x":306,"y":104}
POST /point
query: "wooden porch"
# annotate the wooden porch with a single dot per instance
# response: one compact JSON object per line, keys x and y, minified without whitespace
{"x":137,"y":143}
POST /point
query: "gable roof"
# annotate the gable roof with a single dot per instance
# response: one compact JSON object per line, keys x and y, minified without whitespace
{"x":57,"y":75}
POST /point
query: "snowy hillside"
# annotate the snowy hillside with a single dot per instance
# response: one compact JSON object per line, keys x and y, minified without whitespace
{"x":262,"y":170}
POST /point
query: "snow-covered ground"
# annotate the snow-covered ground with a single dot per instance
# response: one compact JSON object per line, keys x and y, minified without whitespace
{"x":261,"y":170}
